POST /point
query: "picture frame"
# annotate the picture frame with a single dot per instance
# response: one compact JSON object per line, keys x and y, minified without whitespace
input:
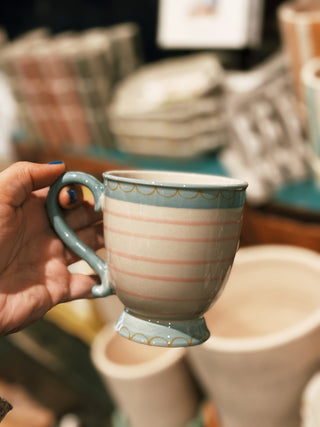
{"x":193,"y":24}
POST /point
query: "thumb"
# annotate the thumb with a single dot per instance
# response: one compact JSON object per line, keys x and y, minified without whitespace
{"x":20,"y":179}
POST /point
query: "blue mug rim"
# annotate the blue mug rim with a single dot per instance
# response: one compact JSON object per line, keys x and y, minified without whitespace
{"x":226,"y":183}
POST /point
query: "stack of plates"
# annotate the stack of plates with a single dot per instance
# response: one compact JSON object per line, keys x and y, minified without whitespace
{"x":171,"y":108}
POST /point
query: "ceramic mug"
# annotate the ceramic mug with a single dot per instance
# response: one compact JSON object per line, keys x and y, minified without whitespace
{"x":170,"y":238}
{"x":266,"y":338}
{"x":150,"y":386}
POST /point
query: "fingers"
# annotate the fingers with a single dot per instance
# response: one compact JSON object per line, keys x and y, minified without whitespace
{"x":21,"y":178}
{"x":71,"y":197}
{"x":92,"y":237}
{"x":80,"y":287}
{"x":82,"y":216}
{"x":83,"y":219}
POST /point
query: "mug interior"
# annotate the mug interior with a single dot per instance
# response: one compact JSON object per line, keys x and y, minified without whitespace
{"x":180,"y":179}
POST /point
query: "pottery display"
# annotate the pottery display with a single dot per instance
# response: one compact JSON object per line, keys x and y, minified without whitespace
{"x":265,"y":343}
{"x":171,"y":108}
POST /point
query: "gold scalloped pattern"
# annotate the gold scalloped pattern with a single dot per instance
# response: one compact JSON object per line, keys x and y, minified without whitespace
{"x":148,"y":341}
{"x":177,"y":192}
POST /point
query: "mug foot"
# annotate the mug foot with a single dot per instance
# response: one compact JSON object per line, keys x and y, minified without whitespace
{"x":162,"y":333}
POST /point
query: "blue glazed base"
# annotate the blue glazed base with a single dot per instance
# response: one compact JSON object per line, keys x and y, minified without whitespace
{"x":162,"y":333}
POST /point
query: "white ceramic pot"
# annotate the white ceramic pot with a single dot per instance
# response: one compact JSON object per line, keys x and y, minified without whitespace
{"x":265,"y":342}
{"x":152,"y":386}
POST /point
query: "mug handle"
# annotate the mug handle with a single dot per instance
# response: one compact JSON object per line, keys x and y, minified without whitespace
{"x":68,"y":236}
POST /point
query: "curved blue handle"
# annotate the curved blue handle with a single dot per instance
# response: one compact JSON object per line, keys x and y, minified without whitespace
{"x":68,"y":236}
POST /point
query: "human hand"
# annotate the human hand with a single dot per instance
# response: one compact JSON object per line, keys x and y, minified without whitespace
{"x":34,"y":274}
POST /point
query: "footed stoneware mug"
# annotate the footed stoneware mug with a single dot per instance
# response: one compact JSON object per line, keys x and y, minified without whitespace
{"x":170,"y":241}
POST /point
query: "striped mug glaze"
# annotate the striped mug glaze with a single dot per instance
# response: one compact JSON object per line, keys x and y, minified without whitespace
{"x":170,"y":241}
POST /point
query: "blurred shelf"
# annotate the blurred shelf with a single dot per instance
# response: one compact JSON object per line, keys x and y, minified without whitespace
{"x":98,"y":160}
{"x":301,"y":197}
{"x":291,"y":216}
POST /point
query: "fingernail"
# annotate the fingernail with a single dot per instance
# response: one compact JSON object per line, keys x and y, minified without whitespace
{"x":72,"y":196}
{"x":56,"y":162}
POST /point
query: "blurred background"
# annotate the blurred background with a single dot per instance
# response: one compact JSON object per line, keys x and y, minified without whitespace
{"x":221,"y":87}
{"x":20,"y":16}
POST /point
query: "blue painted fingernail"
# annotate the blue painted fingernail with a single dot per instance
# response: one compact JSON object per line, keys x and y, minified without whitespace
{"x":56,"y":162}
{"x":72,"y":196}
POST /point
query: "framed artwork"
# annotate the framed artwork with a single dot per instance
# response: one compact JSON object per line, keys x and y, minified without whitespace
{"x":233,"y":24}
